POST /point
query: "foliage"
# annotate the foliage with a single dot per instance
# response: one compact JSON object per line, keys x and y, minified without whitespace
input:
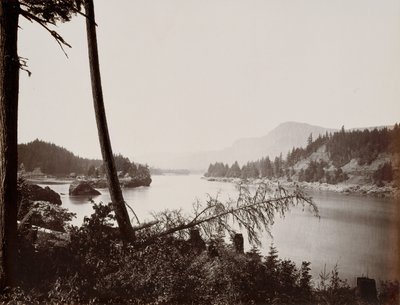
{"x":315,"y":171}
{"x":55,"y":160}
{"x":48,"y":13}
{"x":96,"y":267}
{"x":356,"y":144}
{"x":336,"y":177}
{"x":383,"y":173}
{"x":341,"y":146}
{"x":390,"y":292}
{"x":217,"y":170}
{"x":252,"y":211}
{"x":52,"y":159}
{"x":333,"y":290}
{"x":41,"y":207}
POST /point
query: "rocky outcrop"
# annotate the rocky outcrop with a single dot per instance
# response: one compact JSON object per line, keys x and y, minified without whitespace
{"x":46,"y":215}
{"x":125,"y":182}
{"x":136,"y":182}
{"x":33,"y":192}
{"x":99,"y":183}
{"x":78,"y":188}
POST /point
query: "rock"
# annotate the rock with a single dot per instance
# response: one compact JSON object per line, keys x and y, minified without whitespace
{"x":124,"y":182}
{"x":53,"y":240}
{"x":136,"y":182}
{"x":46,"y":215}
{"x":82,"y":188}
{"x":99,"y":183}
{"x":33,"y":192}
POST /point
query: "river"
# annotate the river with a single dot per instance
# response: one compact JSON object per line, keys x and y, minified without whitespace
{"x":359,"y":234}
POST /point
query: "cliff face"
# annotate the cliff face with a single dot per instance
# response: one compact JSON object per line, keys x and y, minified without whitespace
{"x":364,"y":173}
{"x":357,"y":173}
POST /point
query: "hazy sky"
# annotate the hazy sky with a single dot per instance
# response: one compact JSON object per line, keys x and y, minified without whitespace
{"x":184,"y":75}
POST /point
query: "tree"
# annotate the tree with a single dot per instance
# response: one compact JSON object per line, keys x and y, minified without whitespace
{"x":253,"y":212}
{"x":91,"y":171}
{"x":43,"y":12}
{"x":309,"y":139}
{"x":122,"y":164}
{"x":9,"y":86}
{"x":117,"y":198}
{"x":278,"y":170}
{"x":234,"y":171}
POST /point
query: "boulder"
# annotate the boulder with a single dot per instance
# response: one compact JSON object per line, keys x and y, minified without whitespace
{"x":99,"y":183}
{"x":33,"y":192}
{"x":78,"y":188}
{"x":46,"y":215}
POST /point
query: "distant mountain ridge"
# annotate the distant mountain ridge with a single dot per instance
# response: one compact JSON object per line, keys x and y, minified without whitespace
{"x":357,"y":157}
{"x":279,"y":140}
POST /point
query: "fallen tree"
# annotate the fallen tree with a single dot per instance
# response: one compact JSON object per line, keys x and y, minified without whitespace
{"x":251,"y":211}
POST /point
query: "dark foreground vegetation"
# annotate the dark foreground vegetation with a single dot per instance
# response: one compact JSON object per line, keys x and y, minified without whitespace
{"x":92,"y":264}
{"x":95,"y":267}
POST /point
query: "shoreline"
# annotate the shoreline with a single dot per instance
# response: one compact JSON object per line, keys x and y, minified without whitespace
{"x":49,"y":180}
{"x":369,"y":190}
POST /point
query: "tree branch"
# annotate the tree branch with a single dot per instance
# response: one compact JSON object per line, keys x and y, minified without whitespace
{"x":247,"y":208}
{"x":137,"y":218}
{"x":43,"y":22}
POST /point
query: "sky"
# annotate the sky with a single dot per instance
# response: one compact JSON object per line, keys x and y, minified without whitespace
{"x":196,"y":75}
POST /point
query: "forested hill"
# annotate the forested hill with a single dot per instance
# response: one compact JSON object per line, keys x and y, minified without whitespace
{"x":52,"y":159}
{"x":58,"y":161}
{"x":358,"y":156}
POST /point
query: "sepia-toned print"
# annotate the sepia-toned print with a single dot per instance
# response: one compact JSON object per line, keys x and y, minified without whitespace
{"x":199,"y":152}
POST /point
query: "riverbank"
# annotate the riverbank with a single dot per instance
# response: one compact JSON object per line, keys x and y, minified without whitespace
{"x":94,"y":182}
{"x":387,"y":191}
{"x":47,"y":180}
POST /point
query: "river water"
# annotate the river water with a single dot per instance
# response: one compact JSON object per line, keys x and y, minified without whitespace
{"x":359,"y":234}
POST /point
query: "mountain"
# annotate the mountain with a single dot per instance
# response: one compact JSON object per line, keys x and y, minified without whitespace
{"x":279,"y":140}
{"x":360,"y":157}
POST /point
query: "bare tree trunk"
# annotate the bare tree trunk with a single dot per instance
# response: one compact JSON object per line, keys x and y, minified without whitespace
{"x":117,"y":199}
{"x":9,"y":86}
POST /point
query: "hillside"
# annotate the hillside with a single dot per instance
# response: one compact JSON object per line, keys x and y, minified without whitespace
{"x":50,"y":159}
{"x":354,"y":157}
{"x":279,"y":140}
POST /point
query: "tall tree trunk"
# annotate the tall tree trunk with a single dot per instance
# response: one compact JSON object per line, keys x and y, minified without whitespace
{"x":9,"y":86}
{"x":117,"y":199}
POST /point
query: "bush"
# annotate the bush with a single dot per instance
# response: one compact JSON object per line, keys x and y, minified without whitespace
{"x":96,"y":267}
{"x":383,"y":173}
